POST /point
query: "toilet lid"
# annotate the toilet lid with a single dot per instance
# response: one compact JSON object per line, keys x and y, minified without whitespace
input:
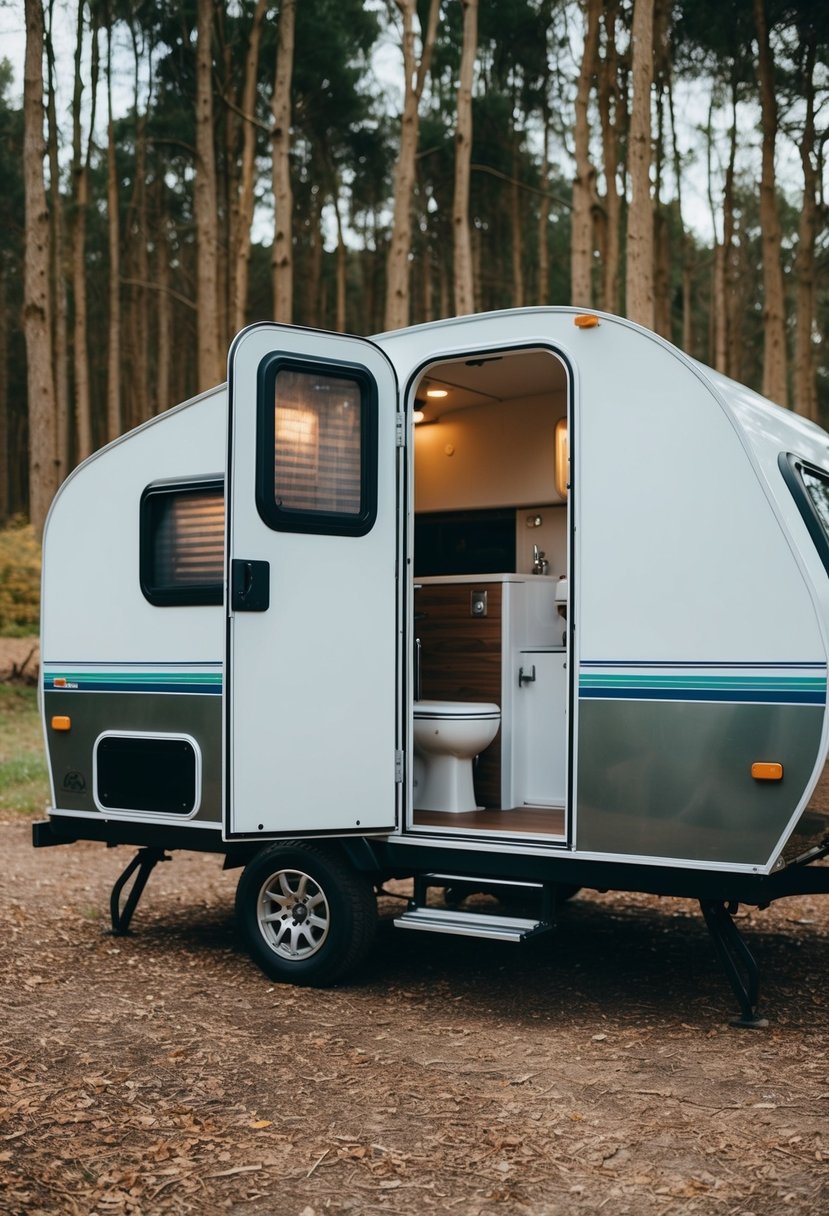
{"x":456,"y":710}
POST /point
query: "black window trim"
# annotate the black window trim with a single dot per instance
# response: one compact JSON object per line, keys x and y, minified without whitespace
{"x":291,"y":519}
{"x":193,"y":595}
{"x":792,"y":467}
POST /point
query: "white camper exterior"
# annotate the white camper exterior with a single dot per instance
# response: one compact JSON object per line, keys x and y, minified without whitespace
{"x":620,"y":552}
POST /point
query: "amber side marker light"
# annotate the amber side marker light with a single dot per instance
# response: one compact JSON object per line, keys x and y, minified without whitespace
{"x":61,"y":722}
{"x":762,"y":771}
{"x":585,"y":321}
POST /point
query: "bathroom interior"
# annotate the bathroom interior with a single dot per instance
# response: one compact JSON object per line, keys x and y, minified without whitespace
{"x":490,"y":564}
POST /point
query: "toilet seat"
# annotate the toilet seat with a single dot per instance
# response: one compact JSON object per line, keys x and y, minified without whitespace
{"x":451,"y":711}
{"x":447,"y":737}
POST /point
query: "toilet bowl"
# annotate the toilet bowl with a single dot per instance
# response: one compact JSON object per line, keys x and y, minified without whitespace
{"x":447,"y":736}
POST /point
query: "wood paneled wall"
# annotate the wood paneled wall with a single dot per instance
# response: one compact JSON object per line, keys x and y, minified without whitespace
{"x":461,"y":661}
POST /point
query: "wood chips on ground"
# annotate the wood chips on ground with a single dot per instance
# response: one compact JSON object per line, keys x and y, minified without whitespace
{"x":593,"y":1070}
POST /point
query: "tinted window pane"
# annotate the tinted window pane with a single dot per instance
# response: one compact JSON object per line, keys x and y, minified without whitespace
{"x":317,"y":444}
{"x":817,"y":488}
{"x":183,"y":545}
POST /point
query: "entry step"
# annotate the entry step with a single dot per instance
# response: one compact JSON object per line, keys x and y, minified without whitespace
{"x":471,"y":924}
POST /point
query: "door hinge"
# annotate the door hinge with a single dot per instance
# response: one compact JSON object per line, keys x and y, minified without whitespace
{"x":398,"y":767}
{"x":400,"y":430}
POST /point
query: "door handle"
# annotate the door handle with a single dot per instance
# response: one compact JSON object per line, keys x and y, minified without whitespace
{"x":250,"y":585}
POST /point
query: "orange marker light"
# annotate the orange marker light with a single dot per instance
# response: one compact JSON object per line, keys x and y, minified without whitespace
{"x":59,"y":682}
{"x":762,"y":771}
{"x":585,"y":321}
{"x":61,"y":722}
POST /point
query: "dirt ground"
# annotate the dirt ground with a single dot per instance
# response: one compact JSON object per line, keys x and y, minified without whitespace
{"x":19,"y":658}
{"x":590,"y":1070}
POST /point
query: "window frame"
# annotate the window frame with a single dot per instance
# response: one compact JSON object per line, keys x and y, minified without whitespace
{"x":292,"y":519}
{"x":792,"y":468}
{"x":166,"y":596}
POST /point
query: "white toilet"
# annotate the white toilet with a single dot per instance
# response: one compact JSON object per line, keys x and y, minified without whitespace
{"x":447,"y":737}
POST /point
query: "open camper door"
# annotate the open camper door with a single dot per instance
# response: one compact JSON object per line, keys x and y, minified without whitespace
{"x":311,"y":714}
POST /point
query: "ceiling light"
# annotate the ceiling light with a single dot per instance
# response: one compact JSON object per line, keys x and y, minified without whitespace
{"x":437,"y":392}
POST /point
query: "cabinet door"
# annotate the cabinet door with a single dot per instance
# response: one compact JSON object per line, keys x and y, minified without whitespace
{"x":541,"y":718}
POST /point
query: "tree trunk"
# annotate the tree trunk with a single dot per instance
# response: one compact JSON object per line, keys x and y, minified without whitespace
{"x":516,"y":241}
{"x":464,"y":288}
{"x":163,"y":397}
{"x":414,"y":74}
{"x":36,"y":319}
{"x":543,"y":289}
{"x":661,"y":241}
{"x":774,"y":307}
{"x":241,"y":267}
{"x":609,"y":114}
{"x":139,"y":369}
{"x":60,"y":310}
{"x":312,"y":312}
{"x":584,"y":183}
{"x":727,"y":327}
{"x":687,"y":329}
{"x":5,"y":496}
{"x":210,"y":367}
{"x":342,"y":264}
{"x":113,"y":415}
{"x":805,"y":385}
{"x":282,"y":260}
{"x":639,"y":278}
{"x":80,"y":173}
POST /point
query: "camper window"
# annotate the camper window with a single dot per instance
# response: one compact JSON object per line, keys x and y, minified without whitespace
{"x":182,"y":543}
{"x":317,"y":448}
{"x":810,"y":488}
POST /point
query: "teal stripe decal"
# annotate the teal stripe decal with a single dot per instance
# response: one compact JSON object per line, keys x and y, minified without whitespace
{"x":199,"y":682}
{"x":777,"y":687}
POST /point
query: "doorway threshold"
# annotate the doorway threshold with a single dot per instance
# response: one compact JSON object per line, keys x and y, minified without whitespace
{"x":519,"y":820}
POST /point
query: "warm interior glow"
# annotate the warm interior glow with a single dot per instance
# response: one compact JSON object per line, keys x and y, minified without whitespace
{"x":418,"y":416}
{"x":296,"y":427}
{"x":562,"y":458}
{"x":437,"y":392}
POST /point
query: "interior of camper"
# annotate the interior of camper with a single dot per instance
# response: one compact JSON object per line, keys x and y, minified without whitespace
{"x":490,"y":561}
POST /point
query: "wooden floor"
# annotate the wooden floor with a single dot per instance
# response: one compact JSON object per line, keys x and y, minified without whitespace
{"x":528,"y":820}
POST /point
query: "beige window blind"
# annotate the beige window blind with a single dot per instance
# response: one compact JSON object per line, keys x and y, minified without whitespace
{"x":188,"y":548}
{"x":317,"y":448}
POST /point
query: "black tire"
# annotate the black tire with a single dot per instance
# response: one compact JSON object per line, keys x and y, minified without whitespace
{"x":308,"y":917}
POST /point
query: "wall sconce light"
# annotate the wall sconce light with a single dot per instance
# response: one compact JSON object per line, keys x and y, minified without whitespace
{"x":562,"y":458}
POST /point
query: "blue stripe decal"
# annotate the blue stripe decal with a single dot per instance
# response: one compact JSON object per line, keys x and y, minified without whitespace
{"x":700,"y":694}
{"x":746,"y":683}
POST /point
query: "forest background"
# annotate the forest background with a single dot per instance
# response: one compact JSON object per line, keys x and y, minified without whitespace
{"x":183,"y":169}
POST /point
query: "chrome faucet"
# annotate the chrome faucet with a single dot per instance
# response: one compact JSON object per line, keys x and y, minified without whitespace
{"x":540,"y":563}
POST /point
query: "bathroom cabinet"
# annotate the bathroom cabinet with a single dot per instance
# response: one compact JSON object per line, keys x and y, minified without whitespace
{"x":470,"y":655}
{"x":540,"y":735}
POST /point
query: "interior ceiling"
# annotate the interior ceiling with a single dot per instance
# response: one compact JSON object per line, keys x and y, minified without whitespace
{"x":490,"y":378}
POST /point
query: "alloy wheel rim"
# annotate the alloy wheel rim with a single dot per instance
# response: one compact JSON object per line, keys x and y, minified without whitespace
{"x":294,"y":915}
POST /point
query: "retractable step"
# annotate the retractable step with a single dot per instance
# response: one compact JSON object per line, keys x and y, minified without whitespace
{"x":494,"y":926}
{"x":471,"y":924}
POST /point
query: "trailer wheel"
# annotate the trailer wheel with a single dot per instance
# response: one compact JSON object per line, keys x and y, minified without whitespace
{"x":307,"y":915}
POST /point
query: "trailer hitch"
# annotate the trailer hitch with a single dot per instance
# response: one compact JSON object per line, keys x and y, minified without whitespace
{"x":737,"y":960}
{"x":144,"y":862}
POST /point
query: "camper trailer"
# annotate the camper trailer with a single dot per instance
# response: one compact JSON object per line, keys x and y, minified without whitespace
{"x":514,"y":603}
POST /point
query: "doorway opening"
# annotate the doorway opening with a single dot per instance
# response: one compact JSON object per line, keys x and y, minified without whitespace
{"x":491,"y":557}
